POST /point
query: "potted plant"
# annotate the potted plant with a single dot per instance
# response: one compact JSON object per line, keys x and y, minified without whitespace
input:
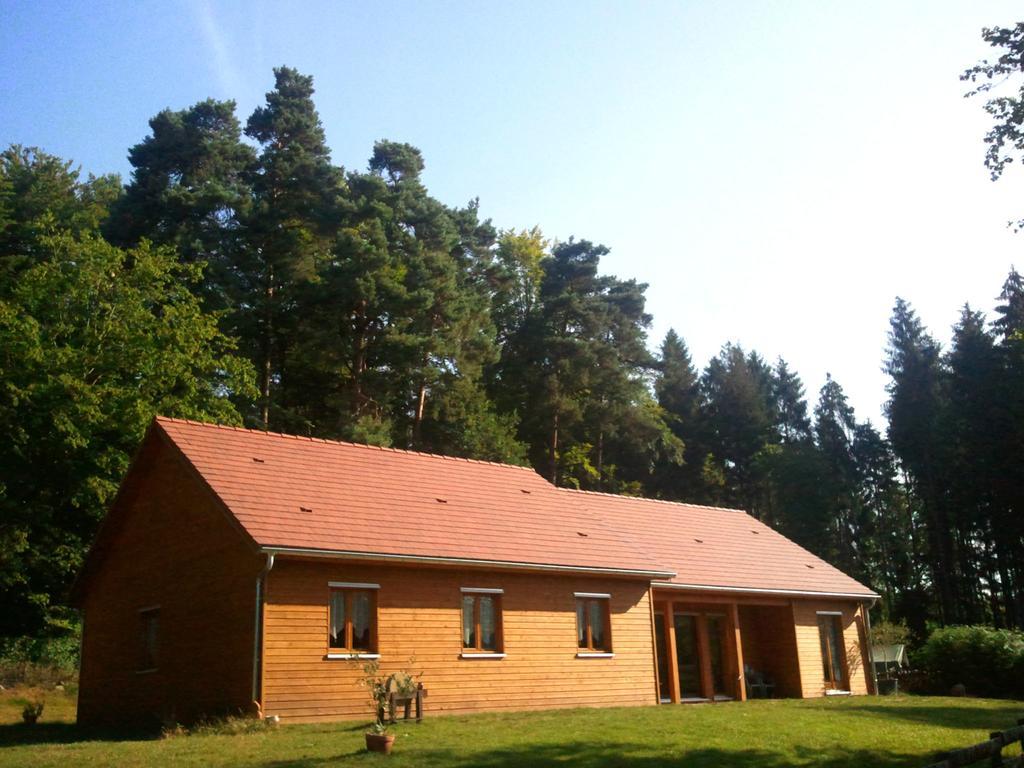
{"x":377,"y":738}
{"x":31,"y":712}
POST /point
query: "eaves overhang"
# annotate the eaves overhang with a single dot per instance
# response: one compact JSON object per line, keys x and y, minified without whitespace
{"x":466,"y":562}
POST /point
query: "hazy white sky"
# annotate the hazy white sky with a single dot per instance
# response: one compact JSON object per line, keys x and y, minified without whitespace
{"x":777,"y":171}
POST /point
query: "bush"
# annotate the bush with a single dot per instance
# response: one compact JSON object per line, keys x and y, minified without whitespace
{"x":989,"y":662}
{"x":39,"y":660}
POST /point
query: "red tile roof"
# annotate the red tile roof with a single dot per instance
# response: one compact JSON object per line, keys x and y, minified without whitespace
{"x":720,"y":548}
{"x":303,"y":493}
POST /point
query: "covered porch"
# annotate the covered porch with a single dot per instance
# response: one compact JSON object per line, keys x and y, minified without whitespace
{"x":712,"y":647}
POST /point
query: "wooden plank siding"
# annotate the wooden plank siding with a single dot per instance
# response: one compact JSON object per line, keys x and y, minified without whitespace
{"x":172,"y":546}
{"x":769,"y":646}
{"x":805,"y":622}
{"x":419,"y":618}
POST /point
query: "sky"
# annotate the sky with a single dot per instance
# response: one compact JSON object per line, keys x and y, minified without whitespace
{"x":777,"y":172}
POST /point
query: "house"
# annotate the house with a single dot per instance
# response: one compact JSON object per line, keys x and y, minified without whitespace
{"x":240,"y":570}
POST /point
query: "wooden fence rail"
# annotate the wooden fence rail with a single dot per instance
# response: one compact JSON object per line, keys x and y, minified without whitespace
{"x":991,"y":750}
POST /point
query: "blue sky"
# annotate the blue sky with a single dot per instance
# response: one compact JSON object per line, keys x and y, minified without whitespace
{"x":777,"y":171}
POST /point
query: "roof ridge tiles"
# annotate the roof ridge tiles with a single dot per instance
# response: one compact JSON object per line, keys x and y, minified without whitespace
{"x":347,"y":444}
{"x":659,"y":501}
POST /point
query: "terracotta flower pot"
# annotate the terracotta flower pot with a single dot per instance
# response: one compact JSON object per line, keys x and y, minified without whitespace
{"x":380,"y":742}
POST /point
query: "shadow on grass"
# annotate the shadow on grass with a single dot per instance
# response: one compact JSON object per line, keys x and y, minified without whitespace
{"x":64,"y":733}
{"x":19,"y":734}
{"x":951,"y":716}
{"x":590,"y":755}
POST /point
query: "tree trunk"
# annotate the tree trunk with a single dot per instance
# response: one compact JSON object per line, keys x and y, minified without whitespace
{"x":267,"y":348}
{"x":421,"y":402}
{"x":553,"y":451}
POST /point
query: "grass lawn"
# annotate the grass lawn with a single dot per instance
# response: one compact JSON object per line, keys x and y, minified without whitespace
{"x":891,"y":731}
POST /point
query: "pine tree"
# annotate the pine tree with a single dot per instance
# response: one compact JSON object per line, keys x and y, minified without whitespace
{"x":834,"y":430}
{"x":576,"y":373}
{"x":971,"y":459}
{"x":915,"y":409}
{"x":190,"y":188}
{"x":791,"y":405}
{"x":1008,"y":438}
{"x":298,"y":200}
{"x":677,"y":388}
{"x":737,"y":390}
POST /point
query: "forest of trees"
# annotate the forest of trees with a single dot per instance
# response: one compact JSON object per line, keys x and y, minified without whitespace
{"x":240,"y":276}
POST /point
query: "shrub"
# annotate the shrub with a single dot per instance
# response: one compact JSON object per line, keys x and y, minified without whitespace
{"x":32,"y":710}
{"x":890,"y":633}
{"x":41,"y":661}
{"x":989,"y":662}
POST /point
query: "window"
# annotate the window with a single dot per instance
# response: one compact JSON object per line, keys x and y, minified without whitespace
{"x":830,"y":631}
{"x":593,"y":630}
{"x":481,"y":621}
{"x":149,"y":628}
{"x":352,"y":628}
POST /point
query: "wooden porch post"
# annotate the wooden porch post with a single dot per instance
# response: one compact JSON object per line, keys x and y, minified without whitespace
{"x":654,"y":647}
{"x":707,"y":683}
{"x":673,"y":664}
{"x":737,"y":641}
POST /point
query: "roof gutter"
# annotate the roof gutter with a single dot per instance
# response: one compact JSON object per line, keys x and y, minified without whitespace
{"x":761,"y":591}
{"x":871,"y":645}
{"x":257,"y":637}
{"x":465,"y":561}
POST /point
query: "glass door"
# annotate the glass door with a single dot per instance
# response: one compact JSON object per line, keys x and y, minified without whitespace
{"x":687,"y":655}
{"x":716,"y":651}
{"x":831,"y":633}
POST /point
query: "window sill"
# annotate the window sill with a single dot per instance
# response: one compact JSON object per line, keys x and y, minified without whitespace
{"x":369,"y":656}
{"x":594,"y":655}
{"x":145,"y":671}
{"x":837,"y":693}
{"x":471,"y":655}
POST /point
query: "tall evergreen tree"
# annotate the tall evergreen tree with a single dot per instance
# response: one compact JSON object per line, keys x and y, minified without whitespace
{"x":970,"y":423}
{"x":791,"y":406}
{"x":190,"y":188}
{"x":888,"y":551}
{"x":298,"y":198}
{"x":915,"y":407}
{"x":576,"y":373}
{"x":1009,"y":437}
{"x":737,"y":390}
{"x":834,"y":430}
{"x":677,"y":388}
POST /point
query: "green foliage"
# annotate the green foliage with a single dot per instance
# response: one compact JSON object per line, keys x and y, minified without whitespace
{"x":266,"y":285}
{"x":988,"y":662}
{"x":94,"y":341}
{"x":889,"y":633}
{"x":1005,"y":138}
{"x":41,"y":194}
{"x":32,"y":710}
{"x":380,"y":686}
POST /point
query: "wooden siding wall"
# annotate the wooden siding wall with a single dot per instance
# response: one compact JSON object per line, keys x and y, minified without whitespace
{"x":805,"y":619}
{"x":174,"y":548}
{"x":419,"y":616}
{"x":769,"y":646}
